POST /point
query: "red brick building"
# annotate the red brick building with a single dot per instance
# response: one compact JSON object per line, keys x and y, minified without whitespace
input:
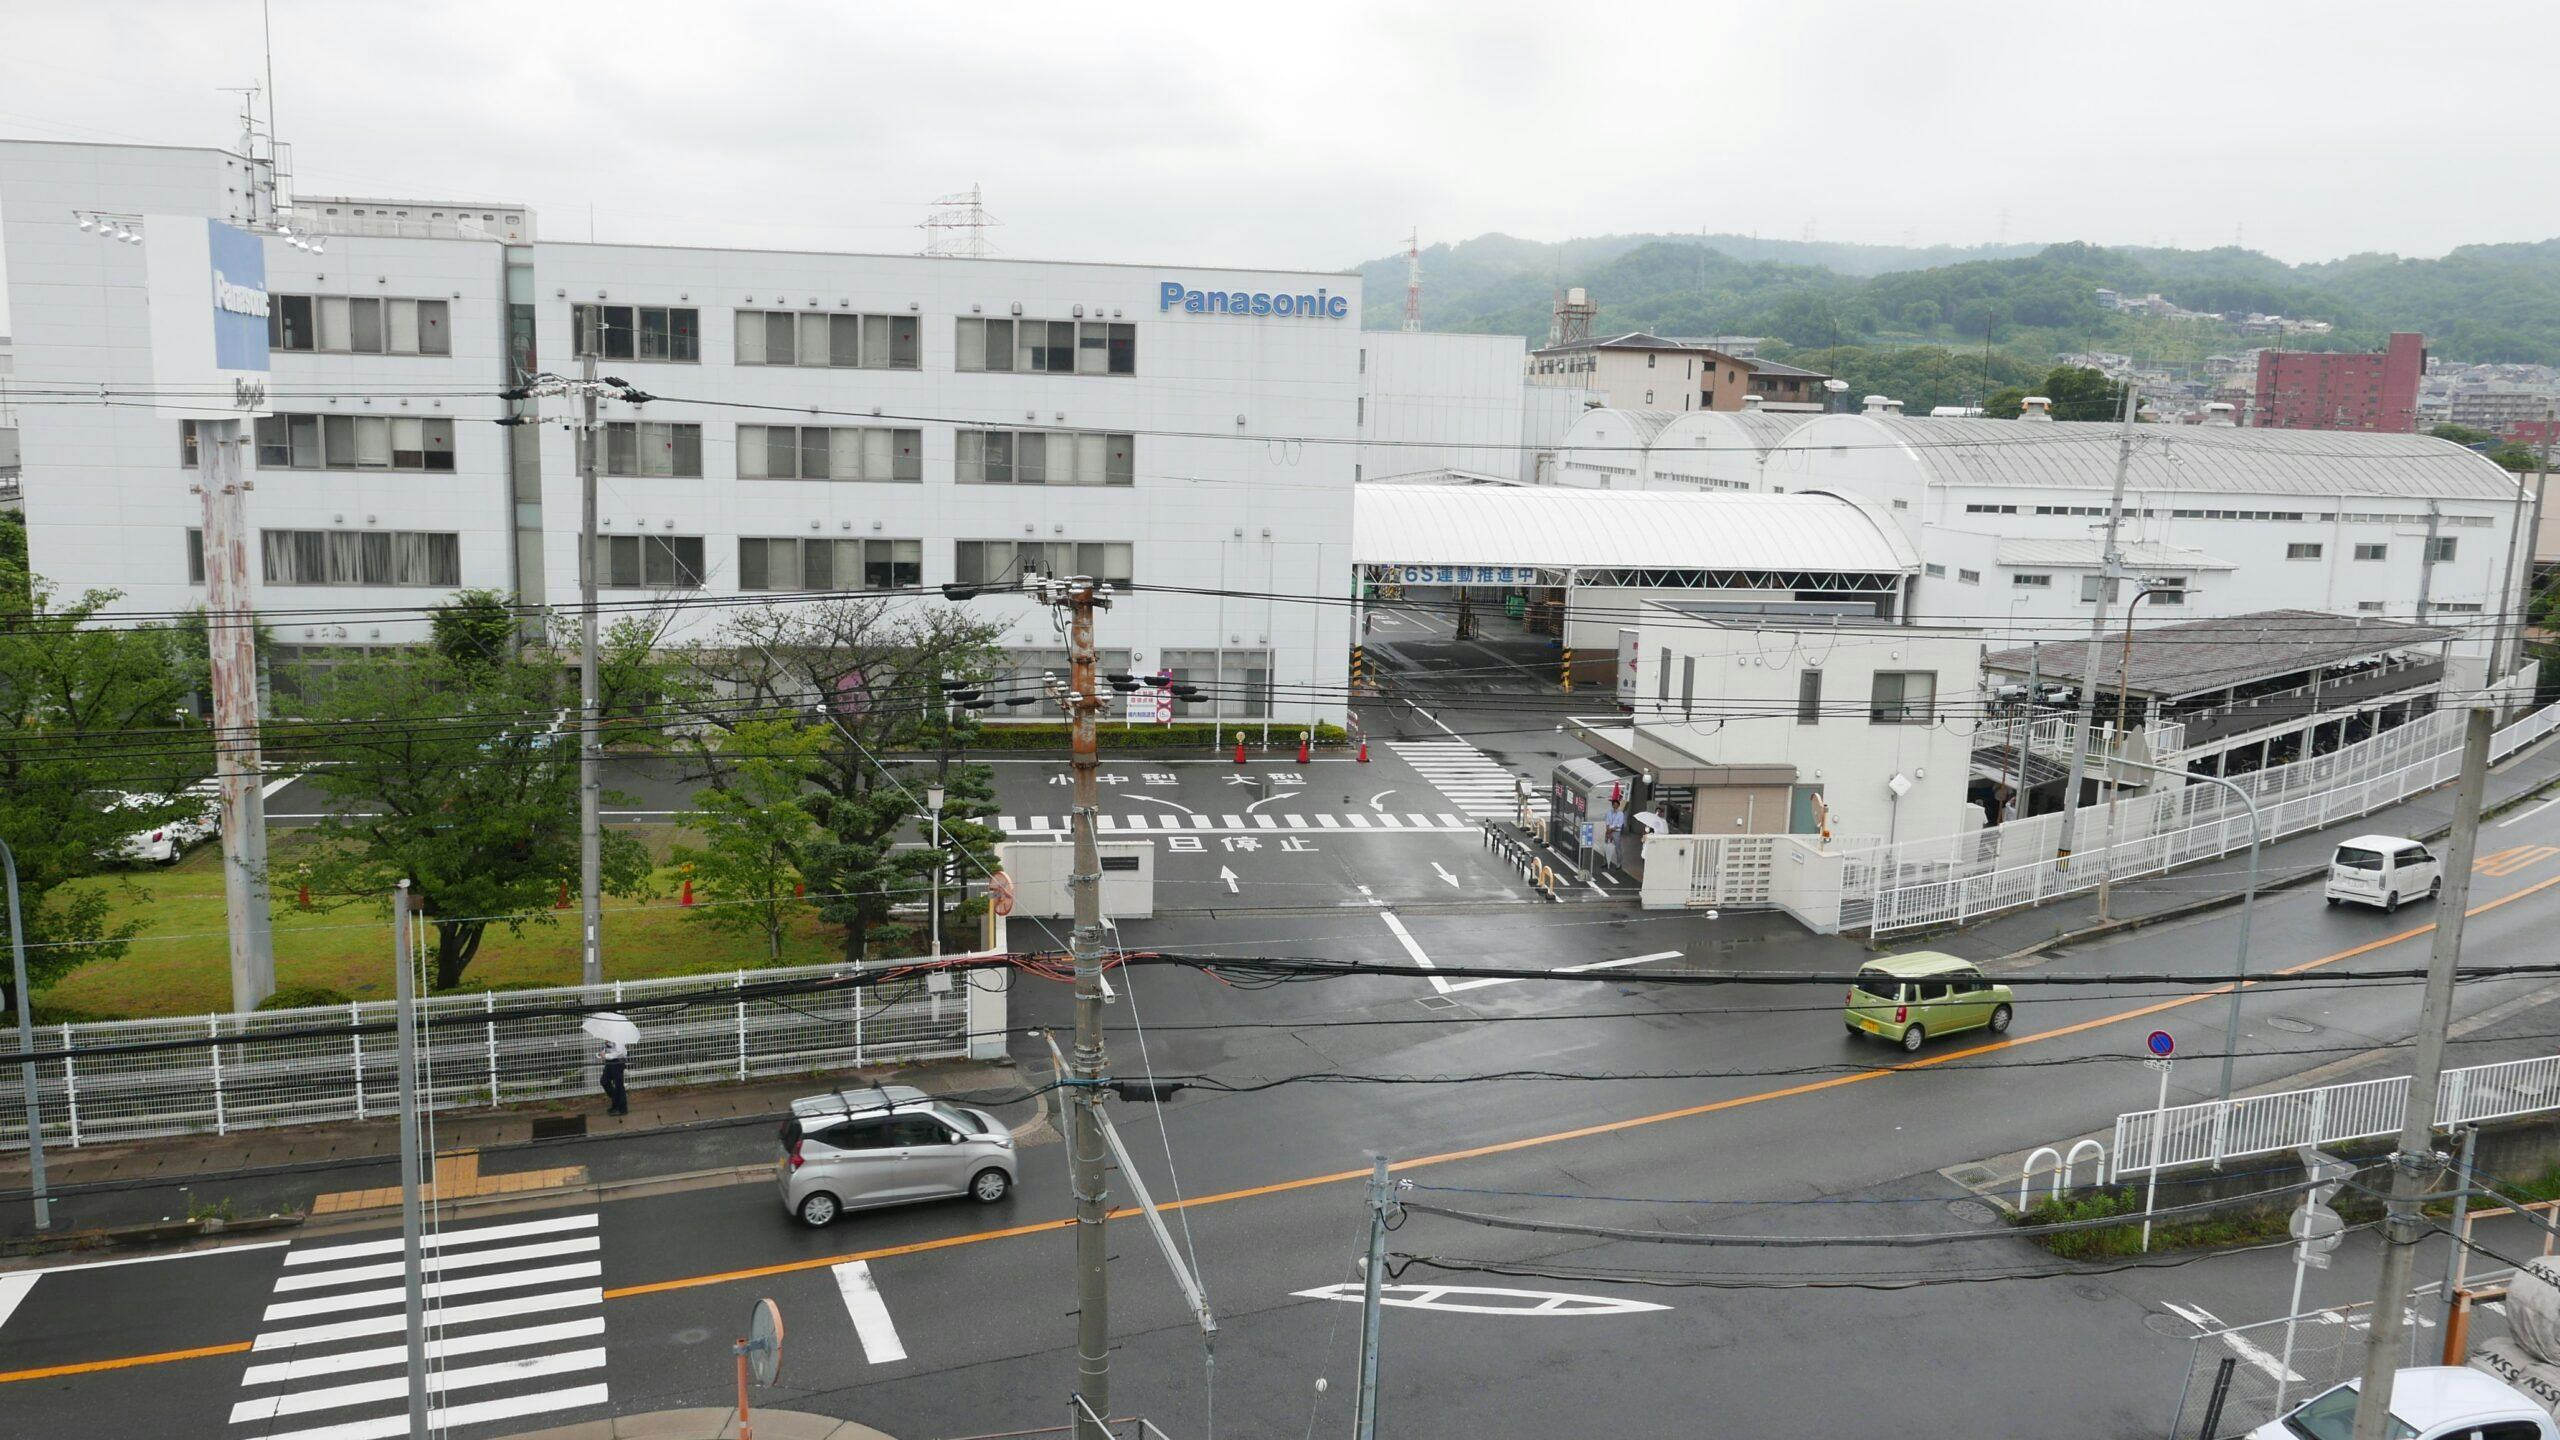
{"x":2310,"y":390}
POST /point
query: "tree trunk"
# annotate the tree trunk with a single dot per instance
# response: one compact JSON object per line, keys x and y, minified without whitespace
{"x":457,"y":943}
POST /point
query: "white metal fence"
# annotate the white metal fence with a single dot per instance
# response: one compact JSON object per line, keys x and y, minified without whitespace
{"x":473,"y":1053}
{"x":2212,"y":1131}
{"x":1954,"y":879}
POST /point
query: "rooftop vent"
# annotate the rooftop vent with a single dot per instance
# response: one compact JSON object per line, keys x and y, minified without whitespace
{"x":2036,"y":407}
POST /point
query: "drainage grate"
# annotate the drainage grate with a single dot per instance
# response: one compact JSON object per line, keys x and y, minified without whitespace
{"x":1435,"y":1002}
{"x":1972,"y":1212}
{"x":1972,"y":1177}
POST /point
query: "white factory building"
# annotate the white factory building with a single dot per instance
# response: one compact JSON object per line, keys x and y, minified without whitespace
{"x":824,"y":422}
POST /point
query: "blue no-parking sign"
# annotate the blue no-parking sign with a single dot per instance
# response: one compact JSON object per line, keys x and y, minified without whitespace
{"x":2161,"y":1045}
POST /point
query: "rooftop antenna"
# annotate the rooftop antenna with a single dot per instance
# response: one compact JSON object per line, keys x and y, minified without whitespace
{"x":958,"y":225}
{"x":1413,"y":281}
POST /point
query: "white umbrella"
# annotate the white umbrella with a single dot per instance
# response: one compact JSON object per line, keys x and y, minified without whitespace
{"x":611,"y":1028}
{"x":1651,"y":821}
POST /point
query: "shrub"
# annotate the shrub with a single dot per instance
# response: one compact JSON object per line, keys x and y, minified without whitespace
{"x":303,"y":997}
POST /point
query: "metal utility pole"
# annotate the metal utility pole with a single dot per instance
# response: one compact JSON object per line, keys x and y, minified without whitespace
{"x":1365,"y":1422}
{"x":2027,"y":728}
{"x":412,"y":1256}
{"x":26,"y":1039}
{"x":2415,"y":1160}
{"x":232,"y":638}
{"x":2124,"y":742}
{"x":1087,"y":1155}
{"x":2111,"y":568}
{"x":590,"y":762}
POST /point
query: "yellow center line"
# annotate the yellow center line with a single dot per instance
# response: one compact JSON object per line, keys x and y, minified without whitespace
{"x":1339,"y":1177}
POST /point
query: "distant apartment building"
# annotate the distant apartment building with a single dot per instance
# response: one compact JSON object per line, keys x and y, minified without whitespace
{"x":1640,"y":371}
{"x":2499,"y":411}
{"x":2307,"y":390}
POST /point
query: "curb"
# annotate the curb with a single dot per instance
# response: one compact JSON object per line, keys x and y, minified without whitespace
{"x":708,"y":1424}
{"x":2215,"y":902}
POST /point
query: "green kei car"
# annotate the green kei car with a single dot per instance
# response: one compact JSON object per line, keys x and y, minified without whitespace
{"x":1909,"y":998}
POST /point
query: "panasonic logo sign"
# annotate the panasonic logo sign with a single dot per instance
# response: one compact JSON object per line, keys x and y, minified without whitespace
{"x":238,"y":299}
{"x":1319,"y":306}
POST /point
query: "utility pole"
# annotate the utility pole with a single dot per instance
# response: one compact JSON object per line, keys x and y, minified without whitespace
{"x":1365,"y":1421}
{"x":590,"y":762}
{"x":2027,"y":728}
{"x":2111,"y":569}
{"x":232,"y":634}
{"x":26,"y":1040}
{"x":412,"y":1250}
{"x":2415,"y":1160}
{"x":1087,"y":1156}
{"x":2427,"y":560}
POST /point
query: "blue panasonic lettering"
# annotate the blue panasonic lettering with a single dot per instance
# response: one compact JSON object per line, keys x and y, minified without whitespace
{"x":1307,"y":305}
{"x":1194,"y":302}
{"x":1323,"y":304}
{"x":1337,"y":307}
{"x":1261,"y":304}
{"x":1168,"y":294}
{"x":1217,"y":302}
{"x":1284,"y":304}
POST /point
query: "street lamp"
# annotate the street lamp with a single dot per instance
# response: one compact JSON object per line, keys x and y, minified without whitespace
{"x":2115,"y":790}
{"x":2248,"y":904}
{"x":933,"y":814}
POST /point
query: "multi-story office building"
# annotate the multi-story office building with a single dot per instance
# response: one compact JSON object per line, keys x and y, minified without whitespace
{"x":824,"y":423}
{"x":2314,"y":390}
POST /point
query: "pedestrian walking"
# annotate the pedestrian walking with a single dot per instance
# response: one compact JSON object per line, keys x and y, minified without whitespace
{"x":614,"y":1055}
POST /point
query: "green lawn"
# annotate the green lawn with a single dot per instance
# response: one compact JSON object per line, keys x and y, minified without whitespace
{"x":180,"y":963}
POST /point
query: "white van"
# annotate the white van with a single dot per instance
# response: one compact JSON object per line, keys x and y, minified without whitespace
{"x":2383,"y":870}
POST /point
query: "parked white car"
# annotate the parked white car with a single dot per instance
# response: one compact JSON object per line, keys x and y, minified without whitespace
{"x":2430,"y":1402}
{"x":167,"y":842}
{"x":2383,"y":870}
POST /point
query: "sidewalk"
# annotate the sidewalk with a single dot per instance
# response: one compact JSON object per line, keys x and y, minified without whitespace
{"x":317,"y":1171}
{"x":709,"y":1425}
{"x":2215,"y":883}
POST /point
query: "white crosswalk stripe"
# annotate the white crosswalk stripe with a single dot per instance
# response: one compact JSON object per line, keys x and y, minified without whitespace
{"x":1469,"y":777}
{"x":1138,"y":826}
{"x":542,"y":1366}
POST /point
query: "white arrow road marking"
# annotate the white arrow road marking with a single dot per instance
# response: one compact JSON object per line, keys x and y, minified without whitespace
{"x":1374,"y":800}
{"x":13,"y":1289}
{"x":2529,"y":814}
{"x":1484,"y":1300}
{"x":1230,"y":877}
{"x":1160,"y":800}
{"x":2246,"y":1349}
{"x":1413,"y":948}
{"x":1443,"y":872}
{"x":871,"y":1323}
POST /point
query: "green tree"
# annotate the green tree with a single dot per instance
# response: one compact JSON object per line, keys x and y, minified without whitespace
{"x":866,"y":674}
{"x":2081,"y":393}
{"x":475,"y":628}
{"x":2522,"y":459}
{"x":451,"y":779}
{"x":2462,"y":435}
{"x":756,"y":833}
{"x":2006,"y":403}
{"x":90,"y":739}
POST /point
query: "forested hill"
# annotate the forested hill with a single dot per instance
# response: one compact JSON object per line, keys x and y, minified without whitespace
{"x":2479,"y":303}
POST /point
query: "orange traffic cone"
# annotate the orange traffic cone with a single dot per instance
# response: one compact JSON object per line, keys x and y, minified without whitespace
{"x":302,"y":897}
{"x":1302,"y":747}
{"x":687,"y":897}
{"x":799,"y":888}
{"x":1239,"y":747}
{"x":1364,"y":752}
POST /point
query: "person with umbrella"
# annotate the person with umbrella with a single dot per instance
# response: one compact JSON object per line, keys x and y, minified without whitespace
{"x":618,"y":1035}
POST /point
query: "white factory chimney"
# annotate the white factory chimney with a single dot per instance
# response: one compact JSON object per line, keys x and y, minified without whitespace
{"x":2222,"y":413}
{"x":1752,"y":402}
{"x":2036,"y":407}
{"x":1879,"y":405}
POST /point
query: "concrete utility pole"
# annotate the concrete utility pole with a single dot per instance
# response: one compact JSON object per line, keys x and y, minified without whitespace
{"x":26,"y":1040}
{"x":412,"y":1246}
{"x":1086,"y":1148}
{"x":1365,"y":1421}
{"x":2413,"y":1162}
{"x":590,"y":761}
{"x":2427,"y":560}
{"x":2111,"y":569}
{"x":2027,"y":729}
{"x":232,"y":637}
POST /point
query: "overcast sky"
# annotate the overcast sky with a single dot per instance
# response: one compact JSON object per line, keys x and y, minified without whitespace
{"x":1315,"y":135}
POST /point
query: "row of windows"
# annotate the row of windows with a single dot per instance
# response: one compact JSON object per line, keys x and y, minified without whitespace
{"x":674,"y":562}
{"x":829,"y":452}
{"x":426,"y":558}
{"x":2321,"y":517}
{"x":1006,"y":562}
{"x":636,"y":332}
{"x":1039,"y":457}
{"x":343,"y":442}
{"x":359,"y":325}
{"x":824,"y":564}
{"x":845,"y":342}
{"x":1053,"y":347}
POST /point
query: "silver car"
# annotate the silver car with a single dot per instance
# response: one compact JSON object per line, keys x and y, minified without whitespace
{"x":887,"y":1145}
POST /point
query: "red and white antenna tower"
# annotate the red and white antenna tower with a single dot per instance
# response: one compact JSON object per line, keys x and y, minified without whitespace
{"x":1413,"y":281}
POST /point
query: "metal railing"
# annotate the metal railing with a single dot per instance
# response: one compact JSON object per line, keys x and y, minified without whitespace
{"x":1954,"y":879}
{"x":473,"y":1053}
{"x":2239,"y":1377}
{"x":2212,"y":1131}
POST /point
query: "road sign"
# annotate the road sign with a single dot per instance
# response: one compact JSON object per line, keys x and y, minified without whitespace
{"x":1590,"y":834}
{"x":2161,"y":1045}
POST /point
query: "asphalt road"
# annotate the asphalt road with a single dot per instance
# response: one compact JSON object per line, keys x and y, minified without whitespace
{"x":1734,"y":1116}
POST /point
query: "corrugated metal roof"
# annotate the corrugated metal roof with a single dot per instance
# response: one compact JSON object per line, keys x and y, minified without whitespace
{"x":1726,"y":430}
{"x":2081,"y":455}
{"x":2201,"y":655}
{"x":2089,"y":554}
{"x":1561,"y":525}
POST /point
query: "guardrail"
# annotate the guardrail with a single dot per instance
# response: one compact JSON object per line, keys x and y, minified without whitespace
{"x":475,"y":1053}
{"x":2212,"y":1131}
